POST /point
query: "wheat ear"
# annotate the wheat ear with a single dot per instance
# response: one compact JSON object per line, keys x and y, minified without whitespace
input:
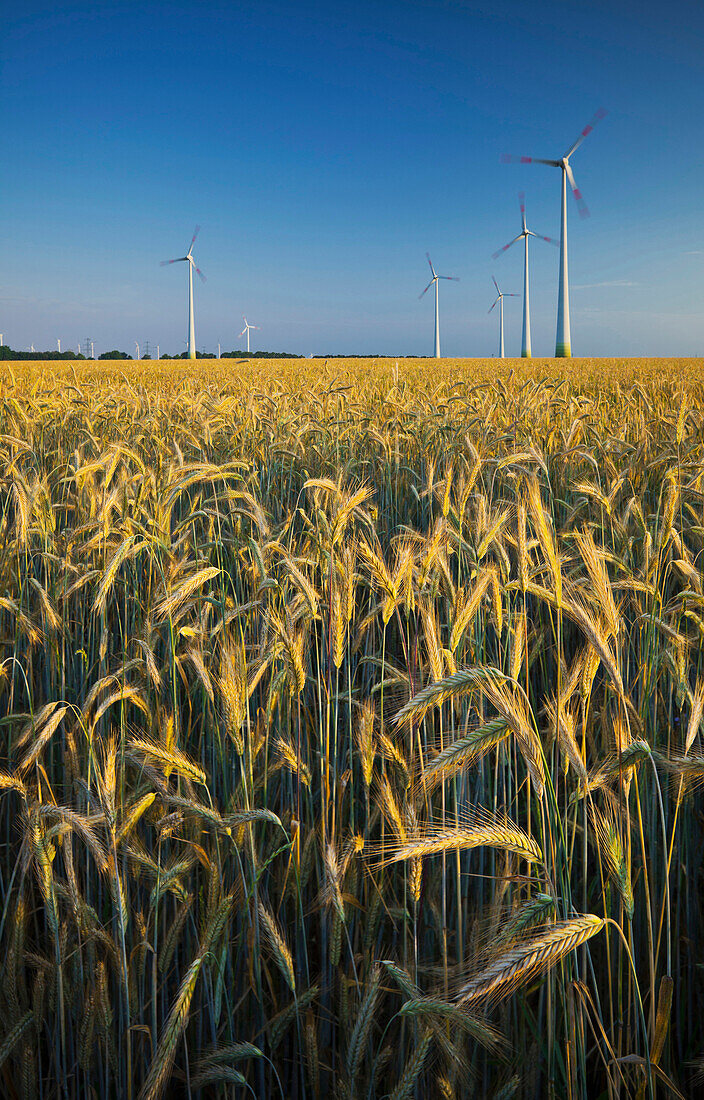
{"x":526,"y":960}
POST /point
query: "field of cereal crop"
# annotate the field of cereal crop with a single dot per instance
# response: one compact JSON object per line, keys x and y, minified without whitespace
{"x":351,"y":728}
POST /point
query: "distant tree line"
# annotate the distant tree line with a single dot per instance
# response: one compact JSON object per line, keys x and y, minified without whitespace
{"x":238,"y":355}
{"x":6,"y":352}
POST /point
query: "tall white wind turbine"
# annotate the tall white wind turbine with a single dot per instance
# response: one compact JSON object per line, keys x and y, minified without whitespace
{"x":188,"y":258}
{"x":246,"y":329}
{"x":563,"y":345}
{"x":500,"y":300}
{"x":435,"y":279}
{"x":524,"y":235}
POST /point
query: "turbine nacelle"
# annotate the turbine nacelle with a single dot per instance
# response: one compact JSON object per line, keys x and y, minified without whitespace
{"x":451,"y":278}
{"x":500,"y":294}
{"x":525,"y":231}
{"x":564,"y":162}
{"x":188,"y":258}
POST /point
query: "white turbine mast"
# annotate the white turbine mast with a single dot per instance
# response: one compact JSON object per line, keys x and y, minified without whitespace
{"x":188,"y":258}
{"x":500,"y":300}
{"x":247,"y":328}
{"x":435,"y":279}
{"x":563,"y":345}
{"x":524,"y":235}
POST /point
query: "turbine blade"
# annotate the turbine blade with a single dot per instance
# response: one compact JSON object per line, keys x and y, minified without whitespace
{"x":506,"y":246}
{"x":522,"y":204}
{"x":196,"y":231}
{"x":508,"y":158}
{"x":497,"y":300}
{"x":496,"y":285}
{"x":581,"y":204}
{"x":587,"y":130}
{"x":427,"y":288}
{"x":431,"y":265}
{"x":178,"y":260}
{"x":453,"y":278}
{"x":203,"y":279}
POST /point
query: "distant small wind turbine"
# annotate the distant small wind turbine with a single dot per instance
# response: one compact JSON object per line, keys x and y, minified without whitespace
{"x":435,"y":279}
{"x":563,"y":346}
{"x":58,"y":344}
{"x":246,"y":329}
{"x":524,"y":235}
{"x":500,"y":300}
{"x":188,"y":258}
{"x":137,"y":347}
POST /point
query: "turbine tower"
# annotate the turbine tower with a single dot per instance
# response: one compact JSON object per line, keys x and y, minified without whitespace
{"x":562,"y":343}
{"x":435,"y":279}
{"x":246,"y":329}
{"x":524,"y":235}
{"x":500,"y":300}
{"x":191,"y":265}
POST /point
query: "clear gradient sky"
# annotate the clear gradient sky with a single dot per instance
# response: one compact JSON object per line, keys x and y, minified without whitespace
{"x":324,"y":148}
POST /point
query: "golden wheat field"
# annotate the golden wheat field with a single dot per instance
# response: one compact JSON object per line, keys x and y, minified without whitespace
{"x":351,"y":729}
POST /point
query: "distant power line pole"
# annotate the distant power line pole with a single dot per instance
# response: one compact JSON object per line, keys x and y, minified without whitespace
{"x":146,"y":350}
{"x":87,"y":347}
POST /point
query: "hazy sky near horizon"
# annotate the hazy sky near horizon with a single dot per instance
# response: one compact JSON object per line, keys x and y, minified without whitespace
{"x":324,"y":148}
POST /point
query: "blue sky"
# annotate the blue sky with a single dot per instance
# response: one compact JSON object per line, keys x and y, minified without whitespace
{"x":324,"y":148}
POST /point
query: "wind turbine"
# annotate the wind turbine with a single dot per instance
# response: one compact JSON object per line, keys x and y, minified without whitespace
{"x":246,"y":329}
{"x":500,"y":300}
{"x":562,"y":343}
{"x":191,"y":265}
{"x":524,"y":235}
{"x":435,"y":279}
